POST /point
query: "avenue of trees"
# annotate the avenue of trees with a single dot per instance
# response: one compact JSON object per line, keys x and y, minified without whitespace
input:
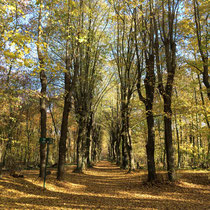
{"x":125,"y":80}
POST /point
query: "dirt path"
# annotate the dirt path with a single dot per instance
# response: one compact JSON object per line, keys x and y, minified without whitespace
{"x":105,"y":186}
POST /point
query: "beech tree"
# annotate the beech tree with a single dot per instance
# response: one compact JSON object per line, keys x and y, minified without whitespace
{"x":165,"y":31}
{"x":70,"y":76}
{"x":43,"y":94}
{"x":145,"y":31}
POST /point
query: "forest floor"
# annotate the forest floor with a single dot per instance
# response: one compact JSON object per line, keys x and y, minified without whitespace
{"x":105,"y":186}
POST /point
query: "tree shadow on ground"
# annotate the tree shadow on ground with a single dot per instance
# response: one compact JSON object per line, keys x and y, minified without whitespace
{"x":99,"y":188}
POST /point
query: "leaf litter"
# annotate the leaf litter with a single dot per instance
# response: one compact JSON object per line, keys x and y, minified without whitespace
{"x":105,"y":186}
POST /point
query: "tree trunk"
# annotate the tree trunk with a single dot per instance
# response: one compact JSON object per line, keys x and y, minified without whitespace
{"x":129,"y":147}
{"x":117,"y":148}
{"x":149,"y":83}
{"x":88,"y":148}
{"x":64,"y":131}
{"x":169,"y":140}
{"x":150,"y":147}
{"x":81,"y":140}
{"x":178,"y":143}
{"x":178,"y":139}
{"x":70,"y":80}
{"x":167,"y":31}
{"x":201,"y":38}
{"x":124,"y":139}
{"x":124,"y":161}
{"x":43,"y":122}
{"x":131,"y":164}
{"x":88,"y":141}
{"x":43,"y":112}
{"x":192,"y":142}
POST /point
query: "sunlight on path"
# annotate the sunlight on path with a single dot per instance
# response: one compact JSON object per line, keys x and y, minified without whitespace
{"x":105,"y":186}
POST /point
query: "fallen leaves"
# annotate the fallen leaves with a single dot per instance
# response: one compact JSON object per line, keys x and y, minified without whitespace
{"x":105,"y":186}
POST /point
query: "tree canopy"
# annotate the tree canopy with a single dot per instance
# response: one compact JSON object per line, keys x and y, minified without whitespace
{"x":123,"y":80}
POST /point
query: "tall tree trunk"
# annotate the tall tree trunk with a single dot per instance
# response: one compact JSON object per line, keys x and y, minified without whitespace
{"x":70,"y":80}
{"x":65,"y":117}
{"x":117,"y":134}
{"x":43,"y":122}
{"x":64,"y":129}
{"x":43,"y":111}
{"x":150,"y":86}
{"x":149,"y":83}
{"x":170,"y":52}
{"x":148,"y":102}
{"x":66,"y":111}
{"x":167,"y":31}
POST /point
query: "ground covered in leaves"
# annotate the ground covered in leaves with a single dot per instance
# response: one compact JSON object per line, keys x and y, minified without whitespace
{"x":105,"y":186}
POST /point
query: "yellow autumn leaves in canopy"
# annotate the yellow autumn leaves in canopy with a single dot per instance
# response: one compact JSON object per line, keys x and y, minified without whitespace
{"x":14,"y":42}
{"x":16,"y":46}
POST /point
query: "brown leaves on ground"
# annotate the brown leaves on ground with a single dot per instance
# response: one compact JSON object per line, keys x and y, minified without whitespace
{"x":105,"y":186}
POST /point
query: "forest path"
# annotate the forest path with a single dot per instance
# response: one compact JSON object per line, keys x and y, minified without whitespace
{"x":105,"y":186}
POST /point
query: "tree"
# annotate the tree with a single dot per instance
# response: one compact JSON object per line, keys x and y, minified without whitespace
{"x":71,"y":71}
{"x":43,"y":95}
{"x":145,"y":28}
{"x":201,"y":25}
{"x":89,"y":74}
{"x":124,"y":53}
{"x":78,"y":64}
{"x":12,"y":45}
{"x":167,"y":22}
